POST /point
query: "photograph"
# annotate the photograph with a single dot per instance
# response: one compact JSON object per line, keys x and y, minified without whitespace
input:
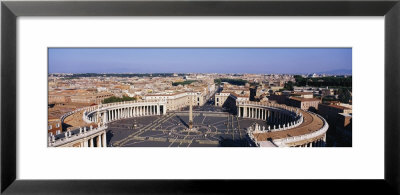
{"x":199,"y":97}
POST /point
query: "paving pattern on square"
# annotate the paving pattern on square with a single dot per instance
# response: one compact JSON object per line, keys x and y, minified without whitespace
{"x":171,"y":130}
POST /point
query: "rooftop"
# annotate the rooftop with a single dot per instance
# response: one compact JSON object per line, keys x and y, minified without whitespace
{"x":311,"y":124}
{"x":305,"y":99}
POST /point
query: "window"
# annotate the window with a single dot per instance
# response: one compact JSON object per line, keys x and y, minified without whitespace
{"x":57,"y":125}
{"x":50,"y":127}
{"x":58,"y":132}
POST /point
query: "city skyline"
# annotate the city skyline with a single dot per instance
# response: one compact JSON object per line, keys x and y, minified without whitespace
{"x":201,"y":60}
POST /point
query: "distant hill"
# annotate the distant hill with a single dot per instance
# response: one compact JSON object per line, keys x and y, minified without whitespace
{"x":337,"y":72}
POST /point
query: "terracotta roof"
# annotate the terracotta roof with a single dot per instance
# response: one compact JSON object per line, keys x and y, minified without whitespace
{"x":304,"y":99}
{"x":337,"y":106}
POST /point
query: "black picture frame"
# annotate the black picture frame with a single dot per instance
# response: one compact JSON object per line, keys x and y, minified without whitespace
{"x":11,"y":10}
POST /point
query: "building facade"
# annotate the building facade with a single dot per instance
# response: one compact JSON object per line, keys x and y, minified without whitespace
{"x":310,"y":104}
{"x":177,"y":101}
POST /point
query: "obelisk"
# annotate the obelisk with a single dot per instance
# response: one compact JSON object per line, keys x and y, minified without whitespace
{"x":191,"y":113}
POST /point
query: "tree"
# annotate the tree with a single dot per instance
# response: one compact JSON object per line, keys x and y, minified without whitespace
{"x":344,"y":95}
{"x":289,"y":86}
{"x":231,"y":81}
{"x":117,"y":99}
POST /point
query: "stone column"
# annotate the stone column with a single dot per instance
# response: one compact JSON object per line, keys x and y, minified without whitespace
{"x":158,"y":109}
{"x":257,"y":112}
{"x":266,"y":114}
{"x":98,"y":143}
{"x":104,"y":140}
{"x":85,"y":143}
{"x":262,"y":114}
{"x":91,"y":142}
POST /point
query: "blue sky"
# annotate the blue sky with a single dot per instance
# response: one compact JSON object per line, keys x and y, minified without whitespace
{"x":199,"y":60}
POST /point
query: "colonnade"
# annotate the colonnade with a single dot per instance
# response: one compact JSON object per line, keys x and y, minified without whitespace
{"x":116,"y":113}
{"x":290,"y":117}
{"x":99,"y":140}
{"x":82,"y":137}
{"x":269,"y":115}
{"x":317,"y":143}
